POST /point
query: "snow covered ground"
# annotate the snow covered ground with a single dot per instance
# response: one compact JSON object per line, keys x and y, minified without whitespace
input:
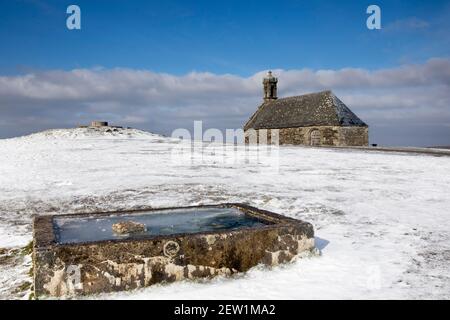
{"x":382,"y":220}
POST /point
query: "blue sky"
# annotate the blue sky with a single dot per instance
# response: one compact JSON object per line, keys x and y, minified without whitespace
{"x":238,"y":37}
{"x":160,"y":65}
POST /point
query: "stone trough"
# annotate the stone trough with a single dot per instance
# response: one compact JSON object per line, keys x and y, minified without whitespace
{"x":113,"y":251}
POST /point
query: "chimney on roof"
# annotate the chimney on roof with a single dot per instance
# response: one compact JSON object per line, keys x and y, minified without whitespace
{"x":270,"y":87}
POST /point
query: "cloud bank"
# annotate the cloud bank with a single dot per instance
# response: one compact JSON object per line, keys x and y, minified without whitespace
{"x":405,"y":105}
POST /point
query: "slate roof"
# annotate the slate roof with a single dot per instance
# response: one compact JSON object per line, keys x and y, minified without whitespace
{"x":314,"y":109}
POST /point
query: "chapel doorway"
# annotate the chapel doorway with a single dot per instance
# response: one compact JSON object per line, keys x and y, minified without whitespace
{"x":315,"y":137}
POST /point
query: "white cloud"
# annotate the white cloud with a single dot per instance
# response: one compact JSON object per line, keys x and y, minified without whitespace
{"x":401,"y":96}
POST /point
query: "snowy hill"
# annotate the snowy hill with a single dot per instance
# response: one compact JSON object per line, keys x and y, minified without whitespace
{"x":88,"y":132}
{"x":381,"y":219}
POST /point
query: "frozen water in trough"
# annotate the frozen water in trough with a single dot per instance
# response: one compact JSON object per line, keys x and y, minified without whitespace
{"x":161,"y":222}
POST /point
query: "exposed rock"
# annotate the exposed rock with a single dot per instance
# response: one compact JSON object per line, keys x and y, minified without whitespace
{"x":127,"y":227}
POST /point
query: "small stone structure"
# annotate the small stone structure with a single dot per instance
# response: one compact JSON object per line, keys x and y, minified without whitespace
{"x":318,"y":119}
{"x":114,"y":265}
{"x":98,"y":124}
{"x":101,"y":126}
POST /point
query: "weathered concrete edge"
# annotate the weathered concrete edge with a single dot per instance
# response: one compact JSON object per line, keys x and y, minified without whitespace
{"x":406,"y":150}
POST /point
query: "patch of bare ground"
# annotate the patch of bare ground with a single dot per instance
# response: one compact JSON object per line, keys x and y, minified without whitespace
{"x":430,"y":268}
{"x":16,"y":261}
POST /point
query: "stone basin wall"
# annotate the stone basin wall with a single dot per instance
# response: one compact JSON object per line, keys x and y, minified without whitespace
{"x":117,"y":265}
